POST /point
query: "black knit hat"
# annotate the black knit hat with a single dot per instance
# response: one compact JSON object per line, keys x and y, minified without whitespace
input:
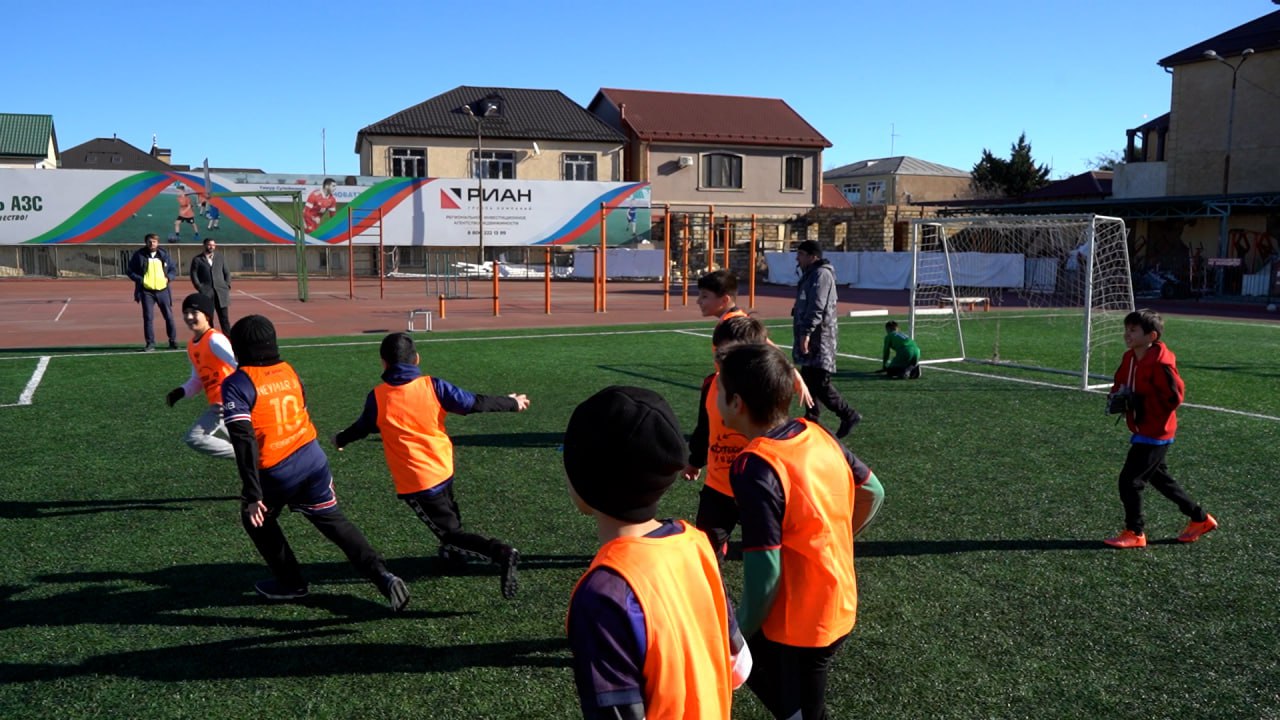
{"x":811,"y":247}
{"x":253,"y":338}
{"x":201,"y":302}
{"x":622,"y":450}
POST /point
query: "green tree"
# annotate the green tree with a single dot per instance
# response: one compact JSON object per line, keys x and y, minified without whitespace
{"x":1014,"y":177}
{"x":1106,"y":161}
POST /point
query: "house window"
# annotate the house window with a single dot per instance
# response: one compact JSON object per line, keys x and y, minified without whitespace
{"x":494,"y":165}
{"x":408,"y":162}
{"x":875,"y":192}
{"x":579,"y":166}
{"x":793,"y":173}
{"x":722,"y":171}
{"x":852,"y":193}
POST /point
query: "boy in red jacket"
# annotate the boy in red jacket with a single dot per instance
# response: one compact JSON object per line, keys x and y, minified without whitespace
{"x":1148,"y":390}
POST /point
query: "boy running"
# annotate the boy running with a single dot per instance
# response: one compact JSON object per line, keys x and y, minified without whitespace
{"x":650,"y":625}
{"x":409,"y":410}
{"x":281,"y":465}
{"x":1148,"y":377}
{"x":212,"y":360}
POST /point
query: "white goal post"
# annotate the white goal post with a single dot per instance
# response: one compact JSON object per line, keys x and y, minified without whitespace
{"x":1055,"y":282}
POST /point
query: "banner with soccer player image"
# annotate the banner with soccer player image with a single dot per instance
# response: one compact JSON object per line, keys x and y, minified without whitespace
{"x":119,"y":207}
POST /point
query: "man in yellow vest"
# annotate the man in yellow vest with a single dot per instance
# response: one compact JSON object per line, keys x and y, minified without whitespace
{"x":151,"y":270}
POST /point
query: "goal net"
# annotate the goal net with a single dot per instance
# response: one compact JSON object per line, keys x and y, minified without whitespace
{"x":1034,"y":292}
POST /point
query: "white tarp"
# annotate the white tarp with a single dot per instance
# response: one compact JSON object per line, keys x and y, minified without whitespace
{"x":892,"y":271}
{"x":619,"y":264}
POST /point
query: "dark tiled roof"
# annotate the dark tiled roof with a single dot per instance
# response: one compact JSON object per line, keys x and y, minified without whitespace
{"x":524,"y":114}
{"x":25,"y":135}
{"x":900,"y":165}
{"x":110,"y":154}
{"x":1092,"y":184}
{"x":833,"y":198}
{"x":694,"y":118}
{"x":1261,"y":35}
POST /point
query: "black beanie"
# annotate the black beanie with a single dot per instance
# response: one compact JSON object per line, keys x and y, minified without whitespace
{"x":622,"y":449}
{"x":201,"y":302}
{"x":253,"y":338}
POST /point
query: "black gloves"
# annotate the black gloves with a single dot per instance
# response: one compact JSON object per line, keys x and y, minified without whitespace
{"x":174,"y":396}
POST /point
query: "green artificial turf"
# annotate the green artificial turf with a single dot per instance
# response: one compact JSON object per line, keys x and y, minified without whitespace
{"x":984,"y":588}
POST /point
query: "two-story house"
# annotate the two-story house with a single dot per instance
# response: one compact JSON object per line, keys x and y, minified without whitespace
{"x":742,"y":155}
{"x":488,"y":132}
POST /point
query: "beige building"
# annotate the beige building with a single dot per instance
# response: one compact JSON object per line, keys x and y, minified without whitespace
{"x":901,"y":180}
{"x":509,"y":133}
{"x":740,"y":155}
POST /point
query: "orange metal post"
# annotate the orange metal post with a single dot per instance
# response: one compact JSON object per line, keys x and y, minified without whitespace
{"x":441,"y":306}
{"x":751,"y":274}
{"x":382,"y":264}
{"x":351,"y":260}
{"x":666,"y":257}
{"x":495,"y":285}
{"x":684,"y":268}
{"x":604,"y":258}
{"x":728,"y":240}
{"x":711,"y":237}
{"x":546,"y":284}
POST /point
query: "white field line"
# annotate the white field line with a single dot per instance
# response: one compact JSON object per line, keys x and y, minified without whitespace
{"x":262,"y":300}
{"x":680,"y":331}
{"x":29,"y":392}
{"x":1024,"y":381}
{"x":65,"y":304}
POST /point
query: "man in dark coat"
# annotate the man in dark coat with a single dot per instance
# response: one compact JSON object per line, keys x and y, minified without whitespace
{"x":151,"y":270}
{"x":813,"y":321}
{"x":211,"y":278}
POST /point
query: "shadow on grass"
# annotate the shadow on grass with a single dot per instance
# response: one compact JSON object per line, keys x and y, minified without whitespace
{"x":908,"y":548}
{"x":181,"y":596}
{"x":661,"y":373}
{"x":510,"y":440}
{"x":34,"y":510}
{"x":280,"y":657}
{"x":439,"y":567}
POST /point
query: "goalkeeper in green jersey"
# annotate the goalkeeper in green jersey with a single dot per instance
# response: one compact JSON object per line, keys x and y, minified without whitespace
{"x":906,"y":354}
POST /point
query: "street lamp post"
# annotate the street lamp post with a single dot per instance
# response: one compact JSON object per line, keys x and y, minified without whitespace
{"x":1226,"y":160}
{"x":477,"y":168}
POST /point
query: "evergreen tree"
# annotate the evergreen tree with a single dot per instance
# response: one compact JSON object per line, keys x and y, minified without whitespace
{"x":1014,"y":177}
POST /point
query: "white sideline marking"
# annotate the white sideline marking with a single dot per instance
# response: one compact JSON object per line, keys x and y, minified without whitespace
{"x":261,"y":300}
{"x":65,"y":304}
{"x":29,"y":392}
{"x":868,"y":313}
{"x":678,"y":331}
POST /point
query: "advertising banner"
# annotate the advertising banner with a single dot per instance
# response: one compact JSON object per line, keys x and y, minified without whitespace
{"x":120,"y":207}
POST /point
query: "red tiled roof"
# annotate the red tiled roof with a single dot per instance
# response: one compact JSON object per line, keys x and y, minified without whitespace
{"x":833,"y":198}
{"x":695,"y":118}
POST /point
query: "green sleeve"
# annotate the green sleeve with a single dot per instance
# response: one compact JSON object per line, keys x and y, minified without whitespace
{"x":761,"y":572}
{"x":868,"y":497}
{"x":884,"y":362}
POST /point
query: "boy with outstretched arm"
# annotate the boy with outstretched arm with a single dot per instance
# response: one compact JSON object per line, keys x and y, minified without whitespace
{"x":409,"y":410}
{"x":650,"y":625}
{"x":281,"y":465}
{"x":797,"y":489}
{"x":212,"y":360}
{"x":1148,"y":390}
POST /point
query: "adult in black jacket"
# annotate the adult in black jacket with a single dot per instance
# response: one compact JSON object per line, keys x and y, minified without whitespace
{"x":211,"y":278}
{"x":151,"y":270}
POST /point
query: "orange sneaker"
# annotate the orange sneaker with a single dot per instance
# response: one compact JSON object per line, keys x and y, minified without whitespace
{"x":1195,"y":530}
{"x":1127,"y":539}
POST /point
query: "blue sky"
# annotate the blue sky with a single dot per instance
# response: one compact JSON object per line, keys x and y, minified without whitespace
{"x":254,"y":84}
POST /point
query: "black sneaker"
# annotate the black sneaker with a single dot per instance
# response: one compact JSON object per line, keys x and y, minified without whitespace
{"x":915,"y":372}
{"x":848,"y":424}
{"x":509,"y":558}
{"x":149,"y":348}
{"x":272,"y":590}
{"x":396,"y":590}
{"x":173,"y":345}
